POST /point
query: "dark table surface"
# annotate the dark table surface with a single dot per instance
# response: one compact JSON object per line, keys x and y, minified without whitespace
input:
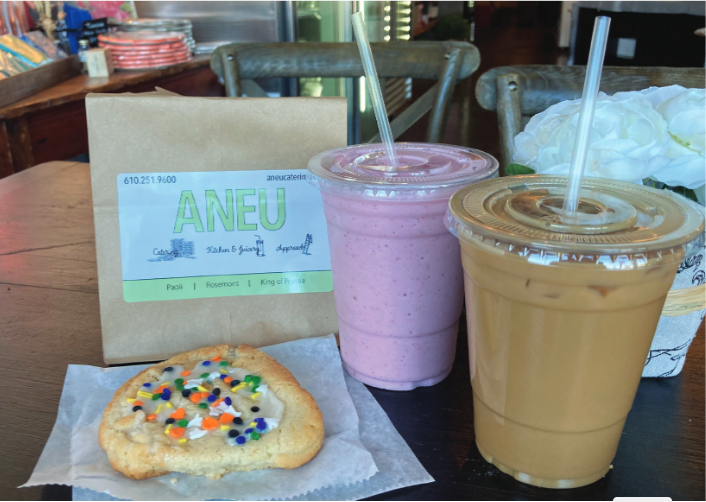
{"x":49,"y":318}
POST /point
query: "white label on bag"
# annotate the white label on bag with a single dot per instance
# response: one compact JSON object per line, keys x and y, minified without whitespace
{"x":222,"y":233}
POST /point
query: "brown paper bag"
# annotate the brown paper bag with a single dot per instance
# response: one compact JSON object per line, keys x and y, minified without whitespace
{"x":159,"y":133}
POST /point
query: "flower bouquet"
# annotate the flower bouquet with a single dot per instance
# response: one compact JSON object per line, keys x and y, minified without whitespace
{"x":655,"y":137}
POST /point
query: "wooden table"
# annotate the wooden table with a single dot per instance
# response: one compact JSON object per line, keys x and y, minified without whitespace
{"x":49,"y":318}
{"x":51,"y":125}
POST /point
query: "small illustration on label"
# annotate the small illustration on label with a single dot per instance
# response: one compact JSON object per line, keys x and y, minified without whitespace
{"x":307,"y":243}
{"x":304,"y":247}
{"x":180,"y":249}
{"x":258,"y":248}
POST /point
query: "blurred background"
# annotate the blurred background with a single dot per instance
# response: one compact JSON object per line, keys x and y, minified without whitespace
{"x":506,"y":33}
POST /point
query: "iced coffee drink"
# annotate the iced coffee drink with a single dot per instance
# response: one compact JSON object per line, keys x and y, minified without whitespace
{"x":561,"y":314}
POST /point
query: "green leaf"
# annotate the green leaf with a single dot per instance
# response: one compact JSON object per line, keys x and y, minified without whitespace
{"x":685,"y":192}
{"x":515,"y":169}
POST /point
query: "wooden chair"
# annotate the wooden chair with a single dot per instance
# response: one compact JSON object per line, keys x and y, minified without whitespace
{"x":449,"y":62}
{"x":518,"y":92}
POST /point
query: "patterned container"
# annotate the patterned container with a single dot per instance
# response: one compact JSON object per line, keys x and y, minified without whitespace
{"x":681,"y":318}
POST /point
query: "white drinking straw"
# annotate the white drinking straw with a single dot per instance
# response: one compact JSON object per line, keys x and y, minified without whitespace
{"x":371,"y":77}
{"x":588,"y":105}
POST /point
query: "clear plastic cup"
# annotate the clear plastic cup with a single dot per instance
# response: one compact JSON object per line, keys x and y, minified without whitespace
{"x":561,"y":315}
{"x":397,"y":275}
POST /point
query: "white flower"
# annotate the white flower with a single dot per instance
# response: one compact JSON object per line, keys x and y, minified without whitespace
{"x":685,"y":114}
{"x":657,"y":133}
{"x":628,"y":141}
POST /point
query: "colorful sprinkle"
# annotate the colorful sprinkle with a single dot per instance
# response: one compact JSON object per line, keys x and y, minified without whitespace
{"x":169,"y":405}
{"x":240,"y":440}
{"x":216,"y":359}
{"x":152,"y":417}
{"x":138,"y":403}
{"x":178,"y":414}
{"x":136,"y":408}
{"x":184,"y":422}
{"x":195,"y":397}
{"x":209,"y":423}
{"x":252,"y":379}
{"x":233,"y":433}
{"x":169,"y":427}
{"x":182,"y":440}
{"x":254,"y":409}
{"x":185,"y":373}
{"x":179,"y":381}
{"x":142,"y":393}
{"x":255,"y":436}
{"x":226,"y":418}
{"x":168,"y":368}
{"x":185,"y":393}
{"x":204,"y":375}
{"x":261,"y":426}
{"x":255,"y":396}
{"x":203,"y":389}
{"x":216,"y":391}
{"x":147,"y":384}
{"x":177,"y":432}
{"x":206,"y":363}
{"x":237,"y":387}
{"x":228,"y":380}
{"x":228,"y":401}
{"x":156,"y":396}
{"x":203,"y":405}
{"x":223,"y":376}
{"x":211,"y":398}
{"x":248,"y":431}
{"x":238,"y":421}
{"x":223,"y":363}
{"x":159,"y":408}
{"x":235,"y":382}
{"x":170,"y":420}
{"x":131,"y":400}
{"x":253,"y":424}
{"x":166,"y":396}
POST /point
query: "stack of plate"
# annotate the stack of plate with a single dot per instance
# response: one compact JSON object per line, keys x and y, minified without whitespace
{"x":160,"y":25}
{"x":145,"y":50}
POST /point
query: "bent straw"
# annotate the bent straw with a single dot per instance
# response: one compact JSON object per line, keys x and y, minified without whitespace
{"x":588,"y":105}
{"x":371,"y":77}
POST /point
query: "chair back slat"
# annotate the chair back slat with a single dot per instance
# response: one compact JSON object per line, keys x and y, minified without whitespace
{"x":544,"y":85}
{"x":395,"y":59}
{"x":448,"y":62}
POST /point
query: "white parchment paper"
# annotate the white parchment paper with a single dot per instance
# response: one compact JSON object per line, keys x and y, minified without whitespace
{"x":72,"y":455}
{"x":398,"y":467}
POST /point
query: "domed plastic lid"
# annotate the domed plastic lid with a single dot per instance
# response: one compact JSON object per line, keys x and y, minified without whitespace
{"x":424,"y":166}
{"x":613,"y":217}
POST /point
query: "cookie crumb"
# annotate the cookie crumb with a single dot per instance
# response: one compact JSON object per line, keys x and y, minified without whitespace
{"x":174,"y":481}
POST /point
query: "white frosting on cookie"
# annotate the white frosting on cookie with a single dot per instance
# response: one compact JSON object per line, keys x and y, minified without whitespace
{"x":212,"y":398}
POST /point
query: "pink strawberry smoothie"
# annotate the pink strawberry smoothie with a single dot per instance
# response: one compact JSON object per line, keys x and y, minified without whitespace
{"x":397,"y":276}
